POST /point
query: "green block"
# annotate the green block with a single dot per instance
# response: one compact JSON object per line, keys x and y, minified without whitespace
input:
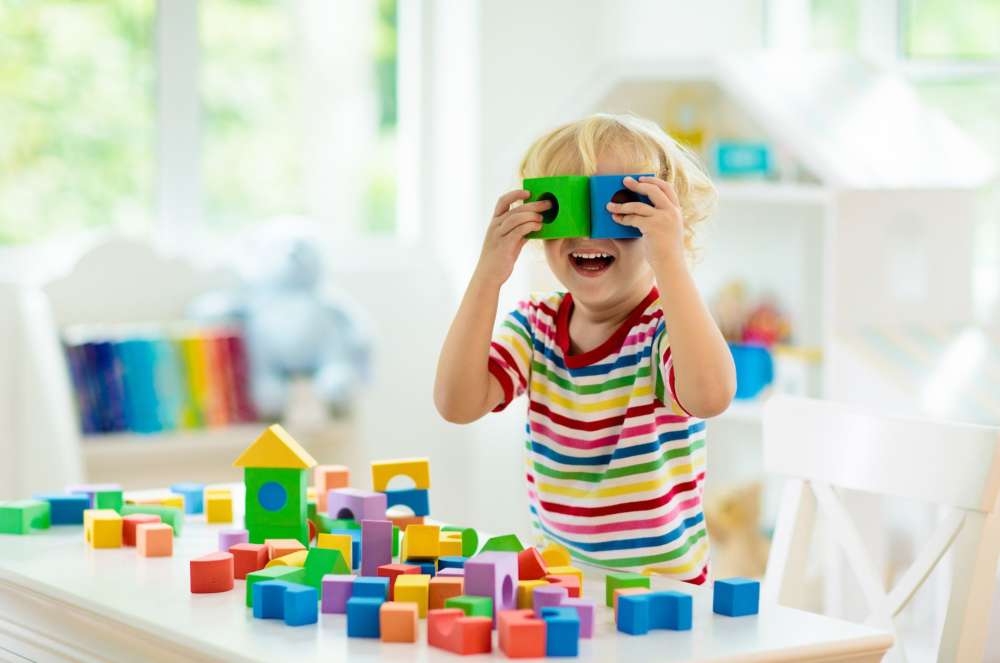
{"x":260,"y":532}
{"x":344,"y":523}
{"x":618,"y":581}
{"x":168,"y":514}
{"x":294,"y":574}
{"x":293,"y":482}
{"x":470,"y":539}
{"x":472,"y":606}
{"x":395,"y":541}
{"x":321,"y":561}
{"x":505,"y":543}
{"x":21,"y":516}
{"x":109,"y":499}
{"x":570,"y":214}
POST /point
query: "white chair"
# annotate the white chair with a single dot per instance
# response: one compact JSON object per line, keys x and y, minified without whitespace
{"x":822,"y":446}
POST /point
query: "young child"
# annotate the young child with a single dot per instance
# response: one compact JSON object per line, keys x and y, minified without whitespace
{"x":619,"y":371}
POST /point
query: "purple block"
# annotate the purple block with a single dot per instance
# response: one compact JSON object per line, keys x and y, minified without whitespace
{"x":231,"y":536}
{"x":376,"y":545}
{"x":452,"y":571}
{"x":585,"y":610}
{"x":493,"y":574}
{"x":547,"y":596}
{"x":336,"y":591}
{"x":90,"y":489}
{"x":355,"y":504}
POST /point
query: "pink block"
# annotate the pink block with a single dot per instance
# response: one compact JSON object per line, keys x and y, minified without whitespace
{"x":376,"y":545}
{"x":585,"y":608}
{"x":230,"y":537}
{"x":356,"y":504}
{"x":336,"y":591}
{"x":493,"y":574}
{"x":547,"y":596}
{"x":452,"y":571}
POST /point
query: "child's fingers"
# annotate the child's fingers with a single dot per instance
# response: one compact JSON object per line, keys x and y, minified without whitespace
{"x":649,"y":189}
{"x":666,"y":187}
{"x":525,"y":229}
{"x":637,"y":208}
{"x":633,"y":220}
{"x":516,"y":219}
{"x":536,"y":206}
{"x":506,"y":200}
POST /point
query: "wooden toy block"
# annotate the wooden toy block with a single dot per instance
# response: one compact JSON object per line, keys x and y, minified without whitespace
{"x":416,"y":500}
{"x":472,"y":606}
{"x":363,"y":617}
{"x":65,"y":509}
{"x":176,"y":501}
{"x":556,"y":555}
{"x":418,"y":469}
{"x":402,"y":522}
{"x":571,"y":583}
{"x":356,"y":504}
{"x":335,"y":591}
{"x":398,"y":622}
{"x":371,"y":587}
{"x":131,"y":522}
{"x":326,"y":478}
{"x":109,"y":499}
{"x":505,"y":543}
{"x":293,"y":574}
{"x":269,"y":599}
{"x":453,"y":561}
{"x":393,"y":571}
{"x":297,"y":558}
{"x":102,"y":528}
{"x":154,"y":539}
{"x":218,"y":508}
{"x":376,"y":545}
{"x":21,"y":516}
{"x":562,"y":631}
{"x":585,"y":611}
{"x":493,"y":574}
{"x":736,"y":597}
{"x":281,"y":547}
{"x":91,"y":489}
{"x":453,"y":631}
{"x":442,"y":589}
{"x":525,"y":592}
{"x":320,"y":562}
{"x":451,"y":544}
{"x":212,"y":573}
{"x":547,"y":596}
{"x":342,"y":543}
{"x":194,"y":496}
{"x":247,"y":558}
{"x":168,"y":514}
{"x":626,"y":591}
{"x":451,"y":571}
{"x":521,"y":634}
{"x":301,"y":605}
{"x":231,"y":537}
{"x":530,"y":565}
{"x":470,"y":539}
{"x":566,"y":571}
{"x":615,"y":581}
{"x":421,"y":542}
{"x":413,"y":588}
{"x":275,"y":448}
{"x":569,"y":215}
{"x":611,"y":188}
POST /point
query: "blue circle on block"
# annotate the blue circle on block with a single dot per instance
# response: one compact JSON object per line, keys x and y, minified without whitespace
{"x":272,"y":496}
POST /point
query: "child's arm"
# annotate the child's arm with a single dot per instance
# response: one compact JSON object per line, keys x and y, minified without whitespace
{"x":464,"y":389}
{"x":704,"y":374}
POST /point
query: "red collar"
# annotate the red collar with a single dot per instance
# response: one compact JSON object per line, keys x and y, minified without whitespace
{"x":614,"y":342}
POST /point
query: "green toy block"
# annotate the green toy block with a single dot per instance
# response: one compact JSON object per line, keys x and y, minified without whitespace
{"x":321,"y":561}
{"x":618,"y":581}
{"x":569,"y":215}
{"x":472,"y":606}
{"x":395,"y":541}
{"x":505,"y":543}
{"x":295,"y":574}
{"x":21,"y":516}
{"x":168,"y":514}
{"x":275,"y":495}
{"x":470,"y":539}
{"x":109,"y":499}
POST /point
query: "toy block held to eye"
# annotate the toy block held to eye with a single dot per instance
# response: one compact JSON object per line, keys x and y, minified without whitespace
{"x":606,"y":189}
{"x":569,"y":214}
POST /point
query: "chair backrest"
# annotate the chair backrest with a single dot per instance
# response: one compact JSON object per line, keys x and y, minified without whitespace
{"x":821,"y":446}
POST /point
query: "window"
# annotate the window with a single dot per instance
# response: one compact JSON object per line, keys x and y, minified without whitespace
{"x":951,"y":29}
{"x":834,"y":24}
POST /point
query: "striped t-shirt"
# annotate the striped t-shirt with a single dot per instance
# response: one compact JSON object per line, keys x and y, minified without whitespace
{"x":614,"y":465}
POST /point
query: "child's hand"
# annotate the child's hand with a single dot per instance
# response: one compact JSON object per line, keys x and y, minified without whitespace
{"x":505,"y":236}
{"x":661,"y":224}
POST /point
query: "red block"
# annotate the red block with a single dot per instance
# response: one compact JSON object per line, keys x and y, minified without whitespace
{"x":521,"y":634}
{"x":247,"y":558}
{"x":129,"y":523}
{"x":451,"y":630}
{"x":391,"y":571}
{"x":212,"y":573}
{"x":571,"y":583}
{"x":530,"y":565}
{"x":312,"y":531}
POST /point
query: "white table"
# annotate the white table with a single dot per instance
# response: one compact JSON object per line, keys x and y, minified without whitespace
{"x":60,"y":600}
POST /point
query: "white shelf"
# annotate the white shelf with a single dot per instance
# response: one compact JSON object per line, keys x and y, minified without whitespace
{"x":772,"y":193}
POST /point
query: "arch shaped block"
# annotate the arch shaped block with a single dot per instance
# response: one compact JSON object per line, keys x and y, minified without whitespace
{"x":418,"y":469}
{"x":451,"y":630}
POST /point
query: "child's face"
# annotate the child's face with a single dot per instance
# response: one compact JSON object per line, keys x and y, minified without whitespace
{"x":601,"y":272}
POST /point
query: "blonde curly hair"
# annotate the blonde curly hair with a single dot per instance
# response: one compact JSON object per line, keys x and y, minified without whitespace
{"x":574,"y":149}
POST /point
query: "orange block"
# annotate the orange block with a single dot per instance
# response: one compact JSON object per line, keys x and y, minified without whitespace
{"x":521,"y":634}
{"x":530,"y":565}
{"x":154,"y":539}
{"x":451,"y":630}
{"x":443,"y":588}
{"x":280,"y":547}
{"x":247,"y":558}
{"x":571,"y":583}
{"x":129,"y":524}
{"x":398,"y":621}
{"x":326,"y":478}
{"x":626,"y":591}
{"x":212,"y":573}
{"x":402,"y":522}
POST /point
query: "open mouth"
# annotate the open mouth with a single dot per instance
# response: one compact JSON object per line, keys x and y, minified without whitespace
{"x":591,"y":263}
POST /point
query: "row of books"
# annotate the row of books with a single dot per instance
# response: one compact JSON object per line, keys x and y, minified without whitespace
{"x":153,"y":380}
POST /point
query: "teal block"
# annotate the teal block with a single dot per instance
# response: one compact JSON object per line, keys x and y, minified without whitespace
{"x":570,"y":213}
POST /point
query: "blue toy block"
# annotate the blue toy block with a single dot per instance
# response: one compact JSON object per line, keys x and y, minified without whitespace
{"x":355,"y":545}
{"x":633,"y":614}
{"x":670,"y":610}
{"x":416,"y":499}
{"x":371,"y":587}
{"x":194,"y":496}
{"x":562,"y":631}
{"x":451,"y":562}
{"x":269,"y":599}
{"x":611,"y":188}
{"x":363,"y":617}
{"x":427,"y":566}
{"x":736,"y":597}
{"x":301,"y":605}
{"x":66,"y":509}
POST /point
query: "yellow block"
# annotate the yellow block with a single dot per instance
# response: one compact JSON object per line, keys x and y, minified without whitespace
{"x":176,"y":501}
{"x":275,"y":448}
{"x":451,"y":544}
{"x":102,"y":528}
{"x":413,"y":588}
{"x":218,"y":507}
{"x":525,"y":593}
{"x":297,"y":558}
{"x":565,"y":571}
{"x":556,"y":555}
{"x":341,"y":542}
{"x":421,"y":541}
{"x":418,"y":469}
